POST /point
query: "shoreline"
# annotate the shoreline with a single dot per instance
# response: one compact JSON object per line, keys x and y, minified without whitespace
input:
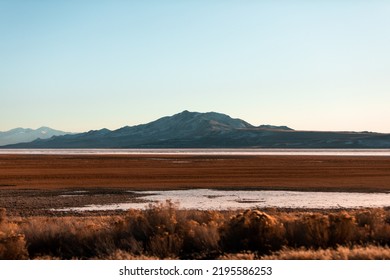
{"x":201,"y":151}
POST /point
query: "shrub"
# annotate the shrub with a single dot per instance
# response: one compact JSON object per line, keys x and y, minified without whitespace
{"x":67,"y":237}
{"x":308,"y":230}
{"x":153,"y":230}
{"x":374,"y":226}
{"x":12,"y":243}
{"x":200,"y":239}
{"x":342,"y":227}
{"x":252,"y":230}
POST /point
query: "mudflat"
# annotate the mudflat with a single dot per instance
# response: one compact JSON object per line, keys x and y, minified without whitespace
{"x":140,"y":172}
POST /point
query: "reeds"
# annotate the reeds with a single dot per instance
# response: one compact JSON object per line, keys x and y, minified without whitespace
{"x":164,"y":232}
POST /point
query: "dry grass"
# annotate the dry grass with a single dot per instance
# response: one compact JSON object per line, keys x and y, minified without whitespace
{"x":167,"y":232}
{"x":68,"y":237}
{"x":369,"y":252}
{"x":164,"y":232}
{"x":12,"y":243}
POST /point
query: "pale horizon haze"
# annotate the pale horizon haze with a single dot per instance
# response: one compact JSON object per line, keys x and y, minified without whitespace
{"x":81,"y":65}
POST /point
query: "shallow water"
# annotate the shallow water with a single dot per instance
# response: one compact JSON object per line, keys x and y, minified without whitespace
{"x":323,"y":152}
{"x":206,"y":199}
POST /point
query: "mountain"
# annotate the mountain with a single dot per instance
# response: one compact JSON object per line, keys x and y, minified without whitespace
{"x":209,"y":130}
{"x":20,"y":135}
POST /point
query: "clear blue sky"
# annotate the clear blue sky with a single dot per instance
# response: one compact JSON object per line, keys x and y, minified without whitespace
{"x":81,"y":65}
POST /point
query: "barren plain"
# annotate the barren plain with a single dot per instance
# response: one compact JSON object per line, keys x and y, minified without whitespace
{"x":33,"y":184}
{"x":325,"y":173}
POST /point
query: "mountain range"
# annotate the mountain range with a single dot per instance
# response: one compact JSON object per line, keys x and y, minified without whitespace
{"x":20,"y":135}
{"x":209,"y":130}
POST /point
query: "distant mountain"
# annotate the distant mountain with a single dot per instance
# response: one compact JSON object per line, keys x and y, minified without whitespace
{"x":20,"y":135}
{"x":209,"y":130}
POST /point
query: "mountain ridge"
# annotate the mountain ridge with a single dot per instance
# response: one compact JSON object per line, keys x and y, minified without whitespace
{"x":25,"y":135}
{"x":209,"y":130}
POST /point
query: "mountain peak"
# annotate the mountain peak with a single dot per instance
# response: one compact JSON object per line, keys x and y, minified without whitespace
{"x":22,"y":135}
{"x":44,"y":128}
{"x":213,"y":118}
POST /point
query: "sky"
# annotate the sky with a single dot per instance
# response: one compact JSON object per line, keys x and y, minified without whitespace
{"x":78,"y":65}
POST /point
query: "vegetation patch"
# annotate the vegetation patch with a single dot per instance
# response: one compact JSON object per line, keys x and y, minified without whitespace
{"x":165,"y":232}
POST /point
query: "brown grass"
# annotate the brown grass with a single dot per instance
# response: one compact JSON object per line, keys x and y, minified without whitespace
{"x":164,"y":232}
